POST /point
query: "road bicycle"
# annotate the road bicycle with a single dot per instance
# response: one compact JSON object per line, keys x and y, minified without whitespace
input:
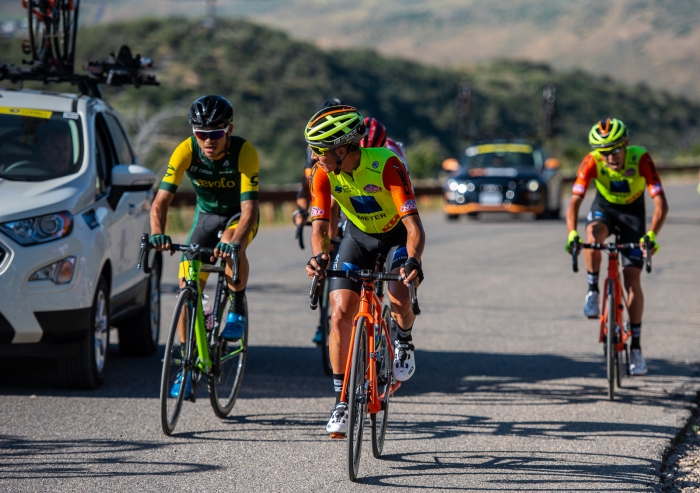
{"x":368,"y":382}
{"x":53,"y":26}
{"x":203,"y":353}
{"x":614,"y":319}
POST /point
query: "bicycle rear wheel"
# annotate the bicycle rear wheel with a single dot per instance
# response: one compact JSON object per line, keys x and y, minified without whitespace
{"x":610,"y":341}
{"x":325,"y":324}
{"x":176,"y":361}
{"x":229,"y":364}
{"x":357,"y":397}
{"x":39,"y":27}
{"x":384,"y":360}
{"x":66,"y":22}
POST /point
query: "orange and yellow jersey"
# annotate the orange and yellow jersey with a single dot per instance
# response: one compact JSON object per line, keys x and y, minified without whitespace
{"x":374,"y":197}
{"x":619,"y":187}
{"x":220,"y":185}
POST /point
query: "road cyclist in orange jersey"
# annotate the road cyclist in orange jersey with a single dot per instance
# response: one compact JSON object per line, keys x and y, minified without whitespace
{"x":374,"y":191}
{"x":223,"y":169}
{"x":621,"y":173}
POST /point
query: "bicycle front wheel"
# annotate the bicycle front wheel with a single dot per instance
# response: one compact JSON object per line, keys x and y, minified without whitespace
{"x":176,"y":362}
{"x":610,"y":341}
{"x":357,"y":397}
{"x":384,"y":375}
{"x":229,"y":363}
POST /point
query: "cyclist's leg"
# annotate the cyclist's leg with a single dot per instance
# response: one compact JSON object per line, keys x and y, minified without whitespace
{"x":597,"y":229}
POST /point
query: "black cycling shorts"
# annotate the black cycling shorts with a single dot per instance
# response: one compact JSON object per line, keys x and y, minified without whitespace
{"x":630,"y":218}
{"x":359,"y":250}
{"x":206,"y":227}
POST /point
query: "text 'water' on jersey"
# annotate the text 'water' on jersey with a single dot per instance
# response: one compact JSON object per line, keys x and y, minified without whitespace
{"x":374,"y":197}
{"x":220,"y":185}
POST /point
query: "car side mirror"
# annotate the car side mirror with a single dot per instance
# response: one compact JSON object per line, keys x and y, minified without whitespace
{"x":132,"y":177}
{"x":552,"y":163}
{"x":450,"y":164}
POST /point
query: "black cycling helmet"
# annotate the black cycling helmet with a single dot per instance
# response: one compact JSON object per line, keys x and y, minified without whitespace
{"x":329,"y":102}
{"x":211,"y":111}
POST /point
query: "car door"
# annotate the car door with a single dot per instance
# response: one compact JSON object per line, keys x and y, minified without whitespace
{"x":113,"y":210}
{"x":137,"y":205}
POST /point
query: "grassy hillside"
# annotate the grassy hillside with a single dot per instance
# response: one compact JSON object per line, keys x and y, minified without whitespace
{"x":651,"y":41}
{"x":276,"y":83}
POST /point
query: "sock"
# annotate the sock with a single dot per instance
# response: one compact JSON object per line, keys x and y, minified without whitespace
{"x":404,"y":335}
{"x":237,"y":305}
{"x":593,"y":281}
{"x":636,"y":336}
{"x":338,"y":386}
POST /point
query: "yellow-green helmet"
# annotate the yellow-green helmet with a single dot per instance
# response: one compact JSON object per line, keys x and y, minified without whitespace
{"x":335,"y":126}
{"x":607,"y":133}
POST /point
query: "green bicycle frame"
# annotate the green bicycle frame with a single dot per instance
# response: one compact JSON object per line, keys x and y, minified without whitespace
{"x":204,"y":363}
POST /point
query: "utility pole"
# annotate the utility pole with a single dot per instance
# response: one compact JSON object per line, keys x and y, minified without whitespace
{"x":210,"y":16}
{"x":549,"y":108}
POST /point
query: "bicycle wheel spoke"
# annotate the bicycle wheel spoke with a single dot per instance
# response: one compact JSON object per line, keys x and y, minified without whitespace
{"x":229,"y":363}
{"x":384,"y":376}
{"x":357,"y":401}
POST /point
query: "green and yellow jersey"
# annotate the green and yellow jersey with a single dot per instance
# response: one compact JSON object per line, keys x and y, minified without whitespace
{"x":220,"y":185}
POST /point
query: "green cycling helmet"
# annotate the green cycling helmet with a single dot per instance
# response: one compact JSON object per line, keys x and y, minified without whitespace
{"x":607,"y":133}
{"x":335,"y":126}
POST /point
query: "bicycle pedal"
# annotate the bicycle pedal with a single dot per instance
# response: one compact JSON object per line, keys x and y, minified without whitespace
{"x":338,"y":436}
{"x":394,"y":387}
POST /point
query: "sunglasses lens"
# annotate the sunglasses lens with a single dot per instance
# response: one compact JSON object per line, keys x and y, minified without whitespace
{"x":611,"y":151}
{"x":209,"y":134}
{"x":319,"y":151}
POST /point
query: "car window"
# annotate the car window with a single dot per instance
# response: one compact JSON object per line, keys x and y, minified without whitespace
{"x":121,"y":143}
{"x":104,"y":155}
{"x":37,"y":145}
{"x":501,"y":155}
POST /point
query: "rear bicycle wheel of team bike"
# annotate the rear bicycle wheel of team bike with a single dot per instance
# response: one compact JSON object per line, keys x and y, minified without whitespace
{"x":177,"y":361}
{"x":52,"y":29}
{"x":610,"y":358}
{"x":229,"y":359}
{"x":384,"y":375}
{"x":357,"y":397}
{"x":325,"y":327}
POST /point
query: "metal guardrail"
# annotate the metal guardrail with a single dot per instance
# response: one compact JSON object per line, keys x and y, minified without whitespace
{"x":288,"y":193}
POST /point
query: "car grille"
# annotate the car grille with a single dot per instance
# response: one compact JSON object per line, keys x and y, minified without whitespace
{"x":491,"y":187}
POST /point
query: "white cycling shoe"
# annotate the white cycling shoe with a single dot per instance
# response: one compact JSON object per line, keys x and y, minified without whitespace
{"x":339,"y":419}
{"x":592,"y":307}
{"x":638,"y":367}
{"x":404,"y":364}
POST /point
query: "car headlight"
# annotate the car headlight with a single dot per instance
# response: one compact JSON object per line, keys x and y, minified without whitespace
{"x":462,"y":188}
{"x":533,"y":185}
{"x":60,"y":272}
{"x":39,"y":229}
{"x":452,"y":185}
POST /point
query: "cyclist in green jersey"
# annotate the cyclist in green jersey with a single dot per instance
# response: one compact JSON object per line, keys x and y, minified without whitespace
{"x":223,"y":170}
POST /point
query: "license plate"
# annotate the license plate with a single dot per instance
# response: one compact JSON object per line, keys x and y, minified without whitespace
{"x":491,"y":198}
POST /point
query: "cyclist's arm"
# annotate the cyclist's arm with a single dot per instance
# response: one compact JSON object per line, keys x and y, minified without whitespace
{"x":320,"y":188}
{"x":248,"y":165}
{"x":648,"y":170}
{"x":415,"y":239}
{"x":178,"y":164}
{"x":586,"y":172}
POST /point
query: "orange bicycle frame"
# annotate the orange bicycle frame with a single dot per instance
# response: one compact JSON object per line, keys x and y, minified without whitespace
{"x":370,"y":304}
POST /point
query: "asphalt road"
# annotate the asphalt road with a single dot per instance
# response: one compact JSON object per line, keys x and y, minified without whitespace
{"x":509,"y":392}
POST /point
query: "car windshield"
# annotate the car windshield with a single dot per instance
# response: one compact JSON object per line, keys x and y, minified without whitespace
{"x":501,"y":156}
{"x":38,"y":145}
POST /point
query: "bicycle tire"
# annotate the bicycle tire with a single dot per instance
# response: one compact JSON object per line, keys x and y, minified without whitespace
{"x":619,"y":368}
{"x":37,"y":30}
{"x":357,"y":406}
{"x":610,"y":342}
{"x":175,"y":361}
{"x":384,"y":375}
{"x":224,"y":387}
{"x":325,"y":323}
{"x":62,"y":35}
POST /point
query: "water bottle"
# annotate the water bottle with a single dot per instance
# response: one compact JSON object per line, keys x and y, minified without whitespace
{"x":208,"y":313}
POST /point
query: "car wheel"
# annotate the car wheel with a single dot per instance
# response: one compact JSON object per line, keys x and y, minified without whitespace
{"x":86,"y":370}
{"x":138,"y":336}
{"x":451,"y":217}
{"x":473,"y":215}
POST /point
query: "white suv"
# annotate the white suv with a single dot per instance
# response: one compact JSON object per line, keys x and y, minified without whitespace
{"x":73,"y":207}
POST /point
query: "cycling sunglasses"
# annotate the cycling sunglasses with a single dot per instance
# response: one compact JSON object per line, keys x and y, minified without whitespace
{"x":319,"y":151}
{"x":613,"y":151}
{"x":209,"y":134}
